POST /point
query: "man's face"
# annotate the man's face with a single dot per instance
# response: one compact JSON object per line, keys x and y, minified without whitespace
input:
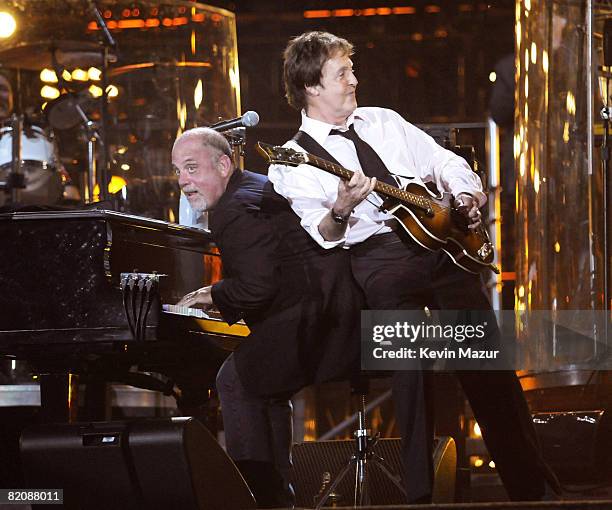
{"x":334,"y":98}
{"x":6,"y":98}
{"x":203,"y":172}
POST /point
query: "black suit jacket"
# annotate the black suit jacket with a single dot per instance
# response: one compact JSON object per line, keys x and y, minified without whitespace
{"x":299,"y":300}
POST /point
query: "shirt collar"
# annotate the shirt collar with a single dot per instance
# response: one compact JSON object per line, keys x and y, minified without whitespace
{"x":319,"y":130}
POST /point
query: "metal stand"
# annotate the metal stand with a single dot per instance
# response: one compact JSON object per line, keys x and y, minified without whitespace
{"x":16,"y":178}
{"x":364,"y":453}
{"x":93,"y":138}
{"x":606,"y":113}
{"x":107,"y":42}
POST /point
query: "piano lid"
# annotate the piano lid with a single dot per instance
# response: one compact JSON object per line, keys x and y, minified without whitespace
{"x":59,"y":270}
{"x":107,"y":215}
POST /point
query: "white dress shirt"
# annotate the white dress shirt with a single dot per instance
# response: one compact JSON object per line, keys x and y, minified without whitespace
{"x":408,"y":153}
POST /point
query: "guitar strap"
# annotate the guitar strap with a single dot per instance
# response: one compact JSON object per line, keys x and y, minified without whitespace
{"x":309,"y":144}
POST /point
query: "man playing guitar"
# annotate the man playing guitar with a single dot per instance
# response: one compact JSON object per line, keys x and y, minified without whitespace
{"x":394,"y":271}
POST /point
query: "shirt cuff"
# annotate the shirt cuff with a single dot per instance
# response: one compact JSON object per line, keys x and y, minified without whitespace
{"x":229,"y":314}
{"x":311,"y":225}
{"x":478,"y":195}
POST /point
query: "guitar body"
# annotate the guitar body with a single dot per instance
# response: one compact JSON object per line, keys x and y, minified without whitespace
{"x":446,"y":230}
{"x":430,"y":231}
{"x":469,"y":249}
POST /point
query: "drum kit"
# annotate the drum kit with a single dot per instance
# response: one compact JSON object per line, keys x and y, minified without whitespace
{"x":164,"y":79}
{"x":31,"y":171}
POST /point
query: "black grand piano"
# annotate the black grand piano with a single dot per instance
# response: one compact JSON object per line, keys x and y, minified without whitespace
{"x":62,"y":307}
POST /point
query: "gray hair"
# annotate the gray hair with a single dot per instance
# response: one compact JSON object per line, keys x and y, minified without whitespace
{"x":209,"y":138}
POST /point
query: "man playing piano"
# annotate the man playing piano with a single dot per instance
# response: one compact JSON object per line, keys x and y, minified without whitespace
{"x":299,"y":301}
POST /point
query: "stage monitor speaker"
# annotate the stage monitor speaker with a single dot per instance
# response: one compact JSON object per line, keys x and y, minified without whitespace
{"x":576,"y":444}
{"x":134,"y":465}
{"x":316,"y":461}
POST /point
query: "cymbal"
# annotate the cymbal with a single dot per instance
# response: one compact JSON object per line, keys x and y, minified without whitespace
{"x":38,"y":55}
{"x":171,"y":66}
{"x":63,"y":112}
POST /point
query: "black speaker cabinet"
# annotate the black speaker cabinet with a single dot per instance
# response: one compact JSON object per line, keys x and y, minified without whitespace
{"x":576,"y":444}
{"x":144,"y":465}
{"x":318,"y":460}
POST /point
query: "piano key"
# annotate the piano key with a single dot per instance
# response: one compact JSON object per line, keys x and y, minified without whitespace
{"x":186,"y":311}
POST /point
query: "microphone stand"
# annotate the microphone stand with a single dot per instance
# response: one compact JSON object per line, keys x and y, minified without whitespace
{"x":107,"y":42}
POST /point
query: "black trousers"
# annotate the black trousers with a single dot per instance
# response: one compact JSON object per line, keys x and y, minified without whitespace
{"x":395,"y":273}
{"x":258,"y":437}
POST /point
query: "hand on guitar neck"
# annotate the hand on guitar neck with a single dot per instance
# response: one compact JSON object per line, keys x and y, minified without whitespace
{"x":350,"y":194}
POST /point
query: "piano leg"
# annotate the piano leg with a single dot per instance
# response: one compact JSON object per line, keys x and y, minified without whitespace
{"x":58,"y":397}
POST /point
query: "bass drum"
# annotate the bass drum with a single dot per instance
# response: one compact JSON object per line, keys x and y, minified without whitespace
{"x":43,"y":181}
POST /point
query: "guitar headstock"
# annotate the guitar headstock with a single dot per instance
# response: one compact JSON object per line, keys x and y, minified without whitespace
{"x":281,"y":155}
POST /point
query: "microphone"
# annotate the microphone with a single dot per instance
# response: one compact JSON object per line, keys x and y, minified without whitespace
{"x":249,"y":119}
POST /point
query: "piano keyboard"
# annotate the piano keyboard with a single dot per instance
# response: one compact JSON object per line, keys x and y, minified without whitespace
{"x":188,"y":312}
{"x":209,"y":321}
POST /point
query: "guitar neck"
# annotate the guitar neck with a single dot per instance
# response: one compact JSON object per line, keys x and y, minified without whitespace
{"x":381,"y":187}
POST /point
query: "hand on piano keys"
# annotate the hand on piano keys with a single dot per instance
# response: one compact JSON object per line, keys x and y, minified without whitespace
{"x":201,"y":297}
{"x":209,"y":321}
{"x":185,"y":311}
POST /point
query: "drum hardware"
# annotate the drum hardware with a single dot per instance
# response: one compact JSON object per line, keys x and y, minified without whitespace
{"x":28,"y":159}
{"x":32,"y":178}
{"x":16,"y":179}
{"x":67,"y":112}
{"x":106,"y":44}
{"x":31,"y":154}
{"x":38,"y":55}
{"x":93,"y":138}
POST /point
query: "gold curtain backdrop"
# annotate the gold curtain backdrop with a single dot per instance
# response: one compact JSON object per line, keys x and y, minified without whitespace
{"x":559,"y":252}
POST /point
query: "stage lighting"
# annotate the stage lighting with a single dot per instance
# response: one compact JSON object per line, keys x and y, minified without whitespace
{"x":79,"y":75}
{"x":95,"y":91}
{"x":49,"y":92}
{"x":8,"y":24}
{"x":48,"y":76}
{"x":94,"y":74}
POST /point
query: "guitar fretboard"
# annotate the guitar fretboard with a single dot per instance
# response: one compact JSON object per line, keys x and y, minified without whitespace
{"x":381,"y":187}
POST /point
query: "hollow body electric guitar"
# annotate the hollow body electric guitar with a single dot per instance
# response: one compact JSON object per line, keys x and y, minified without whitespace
{"x":430,"y":219}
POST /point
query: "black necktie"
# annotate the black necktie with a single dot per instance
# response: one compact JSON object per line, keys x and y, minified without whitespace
{"x":370,"y":162}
